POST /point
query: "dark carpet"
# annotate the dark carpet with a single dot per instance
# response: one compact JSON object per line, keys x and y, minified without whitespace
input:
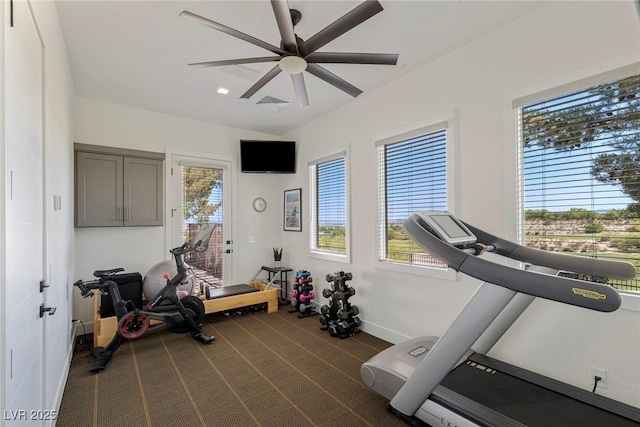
{"x":264,"y":369}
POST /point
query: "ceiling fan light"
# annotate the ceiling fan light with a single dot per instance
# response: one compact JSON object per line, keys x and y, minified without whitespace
{"x":293,"y":64}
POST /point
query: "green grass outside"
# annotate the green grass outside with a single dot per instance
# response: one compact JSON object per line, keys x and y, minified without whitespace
{"x":401,"y":250}
{"x":335,"y":243}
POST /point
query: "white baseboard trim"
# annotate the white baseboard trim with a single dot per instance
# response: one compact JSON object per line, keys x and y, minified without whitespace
{"x":382,"y":332}
{"x":65,"y":371}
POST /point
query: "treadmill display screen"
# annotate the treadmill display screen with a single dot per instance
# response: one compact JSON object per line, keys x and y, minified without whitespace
{"x":449,"y":226}
{"x":446,"y":227}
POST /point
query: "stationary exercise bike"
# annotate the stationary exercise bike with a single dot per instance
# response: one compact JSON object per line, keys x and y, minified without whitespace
{"x":167,"y":308}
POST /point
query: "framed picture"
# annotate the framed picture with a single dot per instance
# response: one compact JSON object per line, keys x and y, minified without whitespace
{"x":292,"y":210}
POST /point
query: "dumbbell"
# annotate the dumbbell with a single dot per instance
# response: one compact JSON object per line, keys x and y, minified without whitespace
{"x":309,"y":297}
{"x":354,"y":310}
{"x":335,"y":330}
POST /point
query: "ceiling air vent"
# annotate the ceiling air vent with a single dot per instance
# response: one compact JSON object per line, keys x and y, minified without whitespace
{"x":273,"y":104}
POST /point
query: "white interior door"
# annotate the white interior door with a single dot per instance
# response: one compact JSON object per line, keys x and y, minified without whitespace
{"x":201,"y":194}
{"x":23,"y":332}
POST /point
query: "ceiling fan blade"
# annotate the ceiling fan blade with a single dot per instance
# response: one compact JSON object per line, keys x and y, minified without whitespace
{"x":235,"y":33}
{"x":353,"y":18}
{"x":329,"y":77}
{"x":260,"y":83}
{"x":353,"y":58}
{"x":234,"y":62}
{"x":300,"y":89}
{"x":285,"y":25}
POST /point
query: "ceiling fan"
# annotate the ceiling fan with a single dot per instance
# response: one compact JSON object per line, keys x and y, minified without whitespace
{"x":296,"y":55}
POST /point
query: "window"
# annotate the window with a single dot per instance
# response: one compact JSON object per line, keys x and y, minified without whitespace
{"x":412,"y":176}
{"x":329,"y":210}
{"x":202,"y":203}
{"x":580,"y":173}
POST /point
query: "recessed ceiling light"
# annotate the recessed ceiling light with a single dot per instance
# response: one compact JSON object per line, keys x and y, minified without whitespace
{"x":222,"y":91}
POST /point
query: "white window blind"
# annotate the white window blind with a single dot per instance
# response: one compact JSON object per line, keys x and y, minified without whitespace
{"x":327,"y":181}
{"x":413,"y":176}
{"x":580,"y":173}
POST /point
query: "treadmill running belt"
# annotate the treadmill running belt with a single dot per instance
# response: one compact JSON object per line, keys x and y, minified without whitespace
{"x":525,"y":402}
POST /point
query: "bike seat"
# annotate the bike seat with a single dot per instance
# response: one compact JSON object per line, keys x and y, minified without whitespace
{"x":107,"y":273}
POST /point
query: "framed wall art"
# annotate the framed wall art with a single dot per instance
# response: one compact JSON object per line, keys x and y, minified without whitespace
{"x":293,"y":210}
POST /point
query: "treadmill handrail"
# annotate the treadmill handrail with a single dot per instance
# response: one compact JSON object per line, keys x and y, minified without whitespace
{"x":621,"y":270}
{"x":591,"y":295}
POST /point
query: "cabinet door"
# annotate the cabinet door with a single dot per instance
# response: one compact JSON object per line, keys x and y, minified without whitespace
{"x":99,"y":190}
{"x":142,"y":192}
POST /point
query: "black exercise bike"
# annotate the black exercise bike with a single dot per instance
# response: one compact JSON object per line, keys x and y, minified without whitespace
{"x":179,"y":315}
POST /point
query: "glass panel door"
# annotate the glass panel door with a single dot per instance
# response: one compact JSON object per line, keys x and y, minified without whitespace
{"x":201,"y":198}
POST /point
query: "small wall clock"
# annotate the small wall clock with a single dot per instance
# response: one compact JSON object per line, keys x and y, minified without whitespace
{"x":259,"y":204}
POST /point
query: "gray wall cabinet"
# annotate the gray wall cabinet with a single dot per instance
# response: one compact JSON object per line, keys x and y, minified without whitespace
{"x":118,"y":187}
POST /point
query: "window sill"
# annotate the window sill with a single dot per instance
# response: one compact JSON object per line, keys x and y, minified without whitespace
{"x":630,"y":301}
{"x":331,"y":256}
{"x":432,"y":272}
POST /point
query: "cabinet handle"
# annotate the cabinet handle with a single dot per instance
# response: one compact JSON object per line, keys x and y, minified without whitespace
{"x":126,"y":213}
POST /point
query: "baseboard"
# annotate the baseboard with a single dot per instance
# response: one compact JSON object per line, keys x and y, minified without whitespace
{"x":377,"y":330}
{"x":382,"y":332}
{"x":67,"y":365}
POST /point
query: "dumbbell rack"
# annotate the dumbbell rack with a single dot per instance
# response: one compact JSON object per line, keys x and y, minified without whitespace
{"x":302,"y":295}
{"x":339,"y":316}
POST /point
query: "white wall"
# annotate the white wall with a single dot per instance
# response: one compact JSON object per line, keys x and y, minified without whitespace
{"x":561,"y":41}
{"x":139,"y":248}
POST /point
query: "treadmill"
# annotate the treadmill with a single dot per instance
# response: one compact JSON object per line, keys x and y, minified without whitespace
{"x":442,"y":381}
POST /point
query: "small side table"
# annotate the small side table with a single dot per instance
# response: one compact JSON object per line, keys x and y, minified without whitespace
{"x":280,"y":276}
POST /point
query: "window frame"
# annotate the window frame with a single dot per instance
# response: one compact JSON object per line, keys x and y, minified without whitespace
{"x":621,"y":67}
{"x":446,"y":121}
{"x":314,"y":251}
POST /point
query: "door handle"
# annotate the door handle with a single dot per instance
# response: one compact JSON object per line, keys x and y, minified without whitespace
{"x":43,"y":310}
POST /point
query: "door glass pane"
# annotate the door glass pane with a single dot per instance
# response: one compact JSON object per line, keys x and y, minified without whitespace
{"x":202,"y":204}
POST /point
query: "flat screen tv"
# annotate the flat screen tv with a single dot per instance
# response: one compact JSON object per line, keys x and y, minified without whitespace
{"x":267,"y":156}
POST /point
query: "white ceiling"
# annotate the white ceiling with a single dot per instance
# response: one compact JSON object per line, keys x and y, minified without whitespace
{"x":136,"y":52}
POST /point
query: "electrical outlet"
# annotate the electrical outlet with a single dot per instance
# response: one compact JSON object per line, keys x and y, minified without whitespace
{"x":83,"y":342}
{"x":597,"y":372}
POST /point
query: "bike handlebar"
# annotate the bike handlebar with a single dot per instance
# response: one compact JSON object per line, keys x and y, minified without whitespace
{"x":87,"y":287}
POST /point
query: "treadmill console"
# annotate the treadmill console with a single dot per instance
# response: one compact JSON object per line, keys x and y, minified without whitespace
{"x":447,"y":227}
